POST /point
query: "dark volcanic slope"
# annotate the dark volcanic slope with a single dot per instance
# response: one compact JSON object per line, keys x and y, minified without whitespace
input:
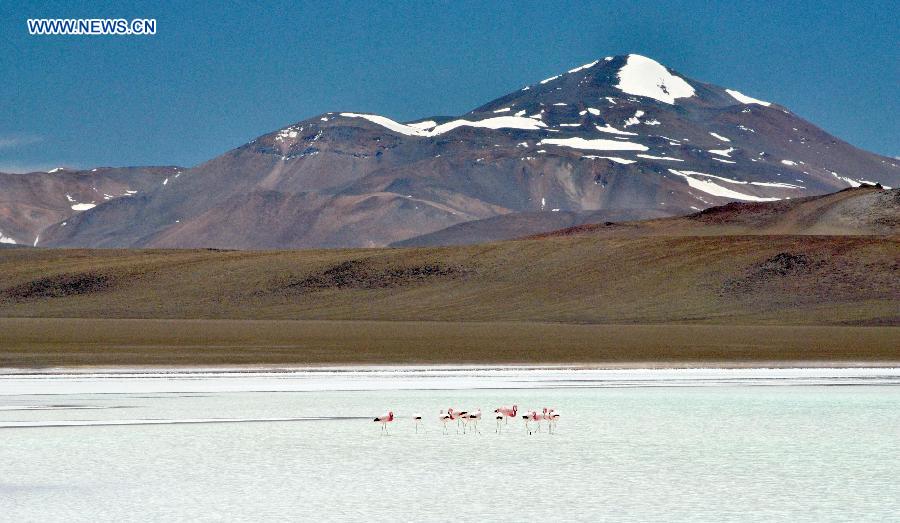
{"x":621,"y":133}
{"x":30,"y":202}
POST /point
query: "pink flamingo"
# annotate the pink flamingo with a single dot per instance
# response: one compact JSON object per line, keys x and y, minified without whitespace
{"x":418,"y":419}
{"x":473,"y":418}
{"x":554,"y":417}
{"x":499,"y":418}
{"x":550,"y":416}
{"x":457,"y":417}
{"x":507,"y":412}
{"x":533,"y":416}
{"x":445,"y":417}
{"x":384,"y":420}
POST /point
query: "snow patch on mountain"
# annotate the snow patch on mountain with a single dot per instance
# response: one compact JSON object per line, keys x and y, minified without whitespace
{"x":387,"y":123}
{"x":83,"y":206}
{"x":854,"y":183}
{"x":290,"y":132}
{"x":610,"y":129}
{"x":643,"y":76}
{"x":596,"y":145}
{"x":498,"y":122}
{"x":740,"y":182}
{"x":719,"y":137}
{"x":424,"y":125}
{"x":6,"y":239}
{"x":585,"y":66}
{"x":744,"y":99}
{"x":634,"y":120}
{"x":615,"y":159}
{"x":651,"y":157}
{"x":722,"y":152}
{"x":716,"y":189}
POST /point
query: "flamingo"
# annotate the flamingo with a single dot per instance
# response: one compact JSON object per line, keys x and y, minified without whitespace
{"x":474,"y":417}
{"x":445,"y":417}
{"x":507,"y":412}
{"x":553,"y":417}
{"x":458,"y":417}
{"x":547,"y":415}
{"x":499,"y":418}
{"x":418,"y":419}
{"x":532,"y":416}
{"x":384,"y":420}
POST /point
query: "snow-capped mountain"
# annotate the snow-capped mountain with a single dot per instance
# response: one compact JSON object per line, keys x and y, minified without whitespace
{"x":623,"y":136}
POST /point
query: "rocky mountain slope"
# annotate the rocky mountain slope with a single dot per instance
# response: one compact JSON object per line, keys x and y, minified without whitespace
{"x":31,"y":202}
{"x":621,"y":135}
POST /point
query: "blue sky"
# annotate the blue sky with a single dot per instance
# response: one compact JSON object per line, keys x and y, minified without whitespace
{"x":217,"y":75}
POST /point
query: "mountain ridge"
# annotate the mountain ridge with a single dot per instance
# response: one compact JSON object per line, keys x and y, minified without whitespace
{"x":622,"y":132}
{"x":33,"y":201}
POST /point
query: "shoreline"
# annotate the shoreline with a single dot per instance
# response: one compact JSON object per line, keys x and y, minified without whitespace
{"x":649,"y":366}
{"x":348,"y":380}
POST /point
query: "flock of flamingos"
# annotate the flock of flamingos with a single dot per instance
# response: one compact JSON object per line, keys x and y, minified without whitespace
{"x":470,"y":419}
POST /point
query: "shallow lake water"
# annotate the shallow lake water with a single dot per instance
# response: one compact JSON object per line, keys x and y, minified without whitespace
{"x":750,"y":445}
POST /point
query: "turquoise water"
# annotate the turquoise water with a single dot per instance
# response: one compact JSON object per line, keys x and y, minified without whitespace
{"x":636,"y":453}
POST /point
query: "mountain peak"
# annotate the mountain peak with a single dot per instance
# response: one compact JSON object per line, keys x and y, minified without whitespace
{"x":644,"y":76}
